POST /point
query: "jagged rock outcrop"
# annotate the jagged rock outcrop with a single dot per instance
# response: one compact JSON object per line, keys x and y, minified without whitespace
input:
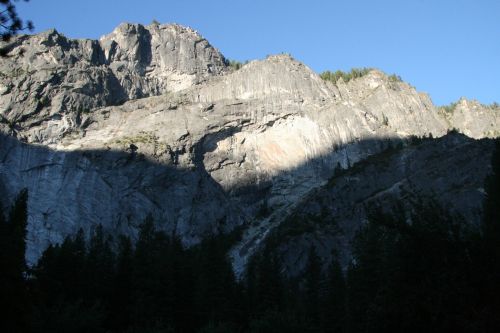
{"x":47,"y":81}
{"x":159,"y":58}
{"x":150,"y":120}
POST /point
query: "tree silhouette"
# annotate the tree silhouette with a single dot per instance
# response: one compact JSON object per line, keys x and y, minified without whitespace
{"x":333,"y":304}
{"x":488,"y":267}
{"x":10,"y":23}
{"x":121,"y":296}
{"x":312,"y":289}
{"x":13,"y":291}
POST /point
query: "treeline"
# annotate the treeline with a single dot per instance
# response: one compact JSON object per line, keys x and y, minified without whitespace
{"x":235,"y":64}
{"x":423,"y":270}
{"x":106,"y":285}
{"x":428,"y":270}
{"x":433,"y":274}
{"x":346,"y":76}
{"x":14,"y":297}
{"x":450,"y":108}
{"x":353,"y":74}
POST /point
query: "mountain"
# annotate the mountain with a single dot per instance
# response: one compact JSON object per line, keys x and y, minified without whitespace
{"x":153,"y":119}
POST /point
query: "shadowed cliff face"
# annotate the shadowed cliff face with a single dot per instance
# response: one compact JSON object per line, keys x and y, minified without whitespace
{"x":150,"y":119}
{"x":450,"y":170}
{"x":81,"y":189}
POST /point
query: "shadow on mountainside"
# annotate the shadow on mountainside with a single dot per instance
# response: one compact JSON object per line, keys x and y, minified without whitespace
{"x":449,"y":172}
{"x":81,"y":189}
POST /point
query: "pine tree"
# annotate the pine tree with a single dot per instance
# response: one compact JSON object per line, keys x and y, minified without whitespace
{"x":13,"y":287}
{"x":121,"y":296}
{"x":312,"y":289}
{"x":144,"y":282}
{"x":333,"y":305}
{"x":151,"y":282}
{"x":489,"y":255}
{"x":99,"y":265}
{"x":364,"y":276}
{"x":182,"y":284}
{"x":491,"y":220}
{"x":18,"y":220}
{"x":266,"y":292}
{"x":215,"y":286}
{"x":69,"y":271}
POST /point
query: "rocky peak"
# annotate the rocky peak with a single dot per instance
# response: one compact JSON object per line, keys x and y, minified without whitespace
{"x":51,"y":49}
{"x":158,"y":50}
{"x":48,"y":81}
{"x":129,"y":43}
{"x":278,"y":78}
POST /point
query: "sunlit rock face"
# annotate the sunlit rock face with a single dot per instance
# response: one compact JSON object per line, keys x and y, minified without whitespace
{"x":48,"y":81}
{"x":149,"y":119}
{"x":160,"y":58}
{"x":474,"y":119}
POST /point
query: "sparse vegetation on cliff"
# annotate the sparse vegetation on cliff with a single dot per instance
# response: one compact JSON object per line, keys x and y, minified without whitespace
{"x":346,"y":76}
{"x":395,"y":78}
{"x":494,"y":105}
{"x":235,"y":64}
{"x":449,"y":108}
{"x":354,"y":74}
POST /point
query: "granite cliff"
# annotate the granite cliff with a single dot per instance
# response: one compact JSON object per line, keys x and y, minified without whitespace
{"x":151,"y":119}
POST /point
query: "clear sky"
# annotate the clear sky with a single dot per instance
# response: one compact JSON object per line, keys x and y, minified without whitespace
{"x":447,"y":48}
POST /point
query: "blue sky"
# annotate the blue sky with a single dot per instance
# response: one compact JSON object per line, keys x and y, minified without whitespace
{"x":447,"y":48}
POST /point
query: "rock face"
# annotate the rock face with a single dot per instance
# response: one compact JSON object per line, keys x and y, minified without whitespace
{"x":450,"y":170}
{"x":81,"y":189}
{"x":158,"y":58}
{"x":151,"y":120}
{"x":48,"y":81}
{"x":474,"y":119}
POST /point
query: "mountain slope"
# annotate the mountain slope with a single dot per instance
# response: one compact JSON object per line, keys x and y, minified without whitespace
{"x":151,"y":120}
{"x":450,"y":171}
